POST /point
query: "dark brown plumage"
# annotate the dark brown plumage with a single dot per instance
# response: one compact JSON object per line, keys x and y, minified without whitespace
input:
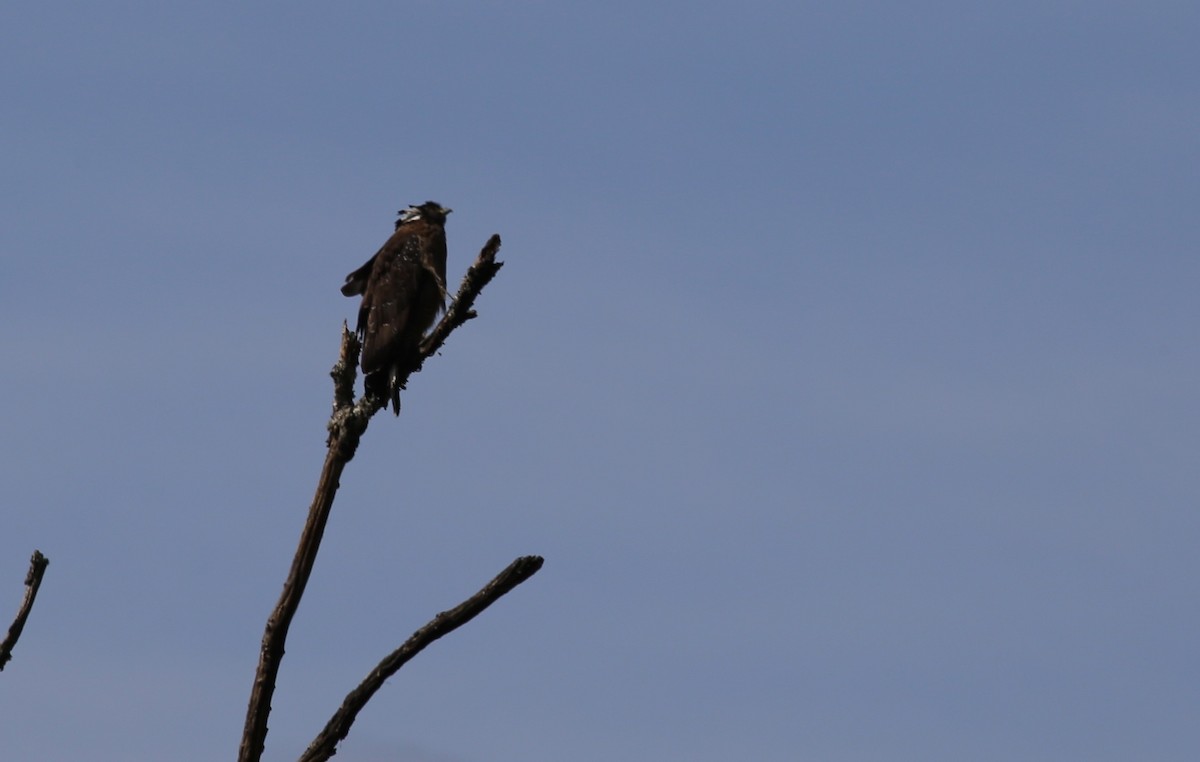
{"x":403,"y":289}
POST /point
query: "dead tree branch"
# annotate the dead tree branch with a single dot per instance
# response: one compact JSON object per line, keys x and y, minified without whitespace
{"x":33,"y":580}
{"x":338,"y":727}
{"x":346,"y":426}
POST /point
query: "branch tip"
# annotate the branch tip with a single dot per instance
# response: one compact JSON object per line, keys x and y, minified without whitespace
{"x":33,"y":581}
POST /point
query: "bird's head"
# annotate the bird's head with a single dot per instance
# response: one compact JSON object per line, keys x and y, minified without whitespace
{"x":430,"y":211}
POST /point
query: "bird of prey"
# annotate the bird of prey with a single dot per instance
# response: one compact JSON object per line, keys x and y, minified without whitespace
{"x":403,"y":289}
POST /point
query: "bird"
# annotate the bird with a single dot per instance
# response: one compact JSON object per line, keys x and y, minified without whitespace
{"x":403,"y":288}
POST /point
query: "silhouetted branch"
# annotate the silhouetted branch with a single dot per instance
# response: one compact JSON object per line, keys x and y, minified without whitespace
{"x":479,"y":274}
{"x":346,"y":426}
{"x":345,"y":369}
{"x":33,"y":580}
{"x":338,"y":727}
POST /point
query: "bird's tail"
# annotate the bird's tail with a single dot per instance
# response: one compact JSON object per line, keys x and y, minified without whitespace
{"x":382,"y":384}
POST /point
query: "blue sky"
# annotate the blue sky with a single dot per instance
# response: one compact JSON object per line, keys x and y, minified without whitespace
{"x":843,"y":368}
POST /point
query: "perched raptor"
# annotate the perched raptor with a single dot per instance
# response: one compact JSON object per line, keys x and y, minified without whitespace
{"x":403,"y":289}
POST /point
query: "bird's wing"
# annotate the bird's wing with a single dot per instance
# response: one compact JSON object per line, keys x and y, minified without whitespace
{"x":388,"y":299}
{"x":356,"y":282}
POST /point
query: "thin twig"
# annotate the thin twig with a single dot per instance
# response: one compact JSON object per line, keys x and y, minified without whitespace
{"x":325,"y":744}
{"x":33,"y":580}
{"x":346,"y":426}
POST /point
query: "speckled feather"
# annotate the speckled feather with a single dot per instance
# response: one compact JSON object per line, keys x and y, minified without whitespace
{"x":403,"y":288}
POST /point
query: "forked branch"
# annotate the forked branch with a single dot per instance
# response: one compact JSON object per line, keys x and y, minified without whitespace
{"x":346,"y":426}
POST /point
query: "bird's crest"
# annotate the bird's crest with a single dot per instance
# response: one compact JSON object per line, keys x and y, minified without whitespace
{"x":430,"y":211}
{"x":408,"y":215}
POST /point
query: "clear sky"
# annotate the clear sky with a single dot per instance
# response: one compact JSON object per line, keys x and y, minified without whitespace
{"x":844,"y":369}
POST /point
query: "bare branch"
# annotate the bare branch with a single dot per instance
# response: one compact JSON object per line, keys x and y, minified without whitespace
{"x":479,"y":274}
{"x":254,"y":734}
{"x":338,"y":727}
{"x":33,"y":580}
{"x":346,"y":427}
{"x":343,"y":371}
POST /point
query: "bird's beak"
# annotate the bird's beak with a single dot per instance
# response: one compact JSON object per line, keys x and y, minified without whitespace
{"x":447,"y":211}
